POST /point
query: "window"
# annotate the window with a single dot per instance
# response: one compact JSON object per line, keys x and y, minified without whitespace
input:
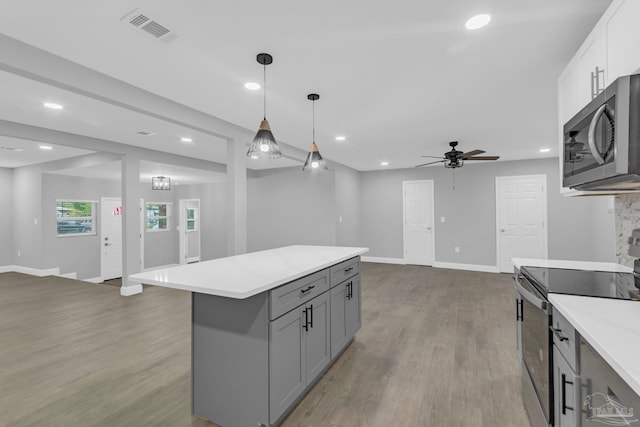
{"x":75,"y":217}
{"x":191,"y":219}
{"x":158,"y":215}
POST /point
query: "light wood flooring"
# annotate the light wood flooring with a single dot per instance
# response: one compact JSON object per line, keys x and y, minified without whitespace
{"x":436,"y":349}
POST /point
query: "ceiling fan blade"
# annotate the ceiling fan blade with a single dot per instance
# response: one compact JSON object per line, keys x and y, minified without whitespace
{"x":484,"y":158}
{"x":430,"y":163}
{"x":472,"y":153}
{"x":433,"y":157}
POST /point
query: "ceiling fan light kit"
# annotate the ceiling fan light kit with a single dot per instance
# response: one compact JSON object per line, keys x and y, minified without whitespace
{"x":314,"y":161}
{"x":264,"y":144}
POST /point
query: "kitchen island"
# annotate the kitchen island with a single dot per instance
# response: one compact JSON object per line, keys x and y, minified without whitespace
{"x":265,"y":326}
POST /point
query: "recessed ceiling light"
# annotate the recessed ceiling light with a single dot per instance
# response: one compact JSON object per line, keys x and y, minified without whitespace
{"x":46,"y":147}
{"x":545,"y":150}
{"x":384,"y":163}
{"x":478,"y":21}
{"x":252,"y":85}
{"x":53,"y":105}
{"x":186,"y":139}
{"x":341,"y":138}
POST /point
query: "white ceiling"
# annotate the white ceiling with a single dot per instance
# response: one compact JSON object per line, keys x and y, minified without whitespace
{"x":399,"y":79}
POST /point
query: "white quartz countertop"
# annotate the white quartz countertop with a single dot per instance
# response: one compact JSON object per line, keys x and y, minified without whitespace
{"x":570,"y":264}
{"x":610,"y":326}
{"x":242,"y":276}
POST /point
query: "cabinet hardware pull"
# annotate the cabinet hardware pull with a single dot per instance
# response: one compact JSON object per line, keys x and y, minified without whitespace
{"x":557,"y":333}
{"x":346,"y":270}
{"x":306,"y":320}
{"x":304,"y":291}
{"x":518,"y":310}
{"x":564,"y":395}
{"x":311,"y":316}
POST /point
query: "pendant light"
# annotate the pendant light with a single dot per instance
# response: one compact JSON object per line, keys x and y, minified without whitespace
{"x":314,"y":162}
{"x":264,"y":144}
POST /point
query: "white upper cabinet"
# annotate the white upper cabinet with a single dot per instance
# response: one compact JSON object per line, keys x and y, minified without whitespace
{"x":623,"y":37}
{"x":584,"y":77}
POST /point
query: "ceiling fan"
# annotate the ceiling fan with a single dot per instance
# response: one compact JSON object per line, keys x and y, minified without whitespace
{"x":455,"y":159}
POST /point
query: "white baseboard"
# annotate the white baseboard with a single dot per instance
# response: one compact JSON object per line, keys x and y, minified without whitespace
{"x":94,"y":280}
{"x":127,"y":291}
{"x":383,"y":260}
{"x":469,"y":267}
{"x":69,"y":275}
{"x":39,"y":272}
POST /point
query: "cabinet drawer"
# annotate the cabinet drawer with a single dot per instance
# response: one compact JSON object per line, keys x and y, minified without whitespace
{"x":287,"y":297}
{"x":565,"y":339}
{"x":344,"y":270}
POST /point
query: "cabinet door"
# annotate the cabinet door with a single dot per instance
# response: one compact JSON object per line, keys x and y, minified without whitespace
{"x":317,"y":337}
{"x":566,"y":391}
{"x":287,"y":375}
{"x":623,"y":33}
{"x":338,"y":318}
{"x":352,"y":308}
{"x":592,"y":55}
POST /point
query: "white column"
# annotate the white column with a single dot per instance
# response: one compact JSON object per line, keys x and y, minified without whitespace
{"x":236,"y":197}
{"x":130,"y":223}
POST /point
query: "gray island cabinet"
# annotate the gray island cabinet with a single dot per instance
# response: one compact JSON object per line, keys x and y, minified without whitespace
{"x":257,"y":349}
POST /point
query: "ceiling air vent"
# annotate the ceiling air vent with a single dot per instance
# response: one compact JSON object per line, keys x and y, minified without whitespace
{"x":143,"y":21}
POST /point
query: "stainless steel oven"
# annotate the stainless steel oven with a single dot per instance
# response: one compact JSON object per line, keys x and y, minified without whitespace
{"x":535,"y":315}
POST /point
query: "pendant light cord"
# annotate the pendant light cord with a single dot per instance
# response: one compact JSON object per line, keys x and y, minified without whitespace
{"x":313,"y":106}
{"x":264,"y":79}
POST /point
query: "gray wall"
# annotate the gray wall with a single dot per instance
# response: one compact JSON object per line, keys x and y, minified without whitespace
{"x":27,"y":224}
{"x":347,"y":190}
{"x":79,"y":254}
{"x":287,"y":206}
{"x":6,"y":217}
{"x":470,"y":213}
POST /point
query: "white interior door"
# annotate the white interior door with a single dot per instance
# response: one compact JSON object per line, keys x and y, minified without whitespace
{"x":189,"y":230}
{"x":110,"y":238}
{"x":521,"y":220}
{"x":418,"y":222}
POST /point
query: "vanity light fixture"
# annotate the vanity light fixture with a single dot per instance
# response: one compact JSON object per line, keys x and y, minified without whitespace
{"x":478,"y":21}
{"x":52,"y":106}
{"x":264,"y":144}
{"x":314,"y":162}
{"x":161,"y":183}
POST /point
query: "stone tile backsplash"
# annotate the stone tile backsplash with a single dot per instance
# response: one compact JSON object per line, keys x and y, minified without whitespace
{"x":627,"y":208}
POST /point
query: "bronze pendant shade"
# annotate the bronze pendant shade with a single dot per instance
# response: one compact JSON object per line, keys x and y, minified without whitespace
{"x":314,"y":162}
{"x":264,"y":144}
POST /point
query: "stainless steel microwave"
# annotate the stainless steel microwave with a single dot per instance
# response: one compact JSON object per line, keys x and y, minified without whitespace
{"x":602,"y":142}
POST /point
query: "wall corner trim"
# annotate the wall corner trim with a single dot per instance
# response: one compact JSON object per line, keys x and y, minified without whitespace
{"x":469,"y":267}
